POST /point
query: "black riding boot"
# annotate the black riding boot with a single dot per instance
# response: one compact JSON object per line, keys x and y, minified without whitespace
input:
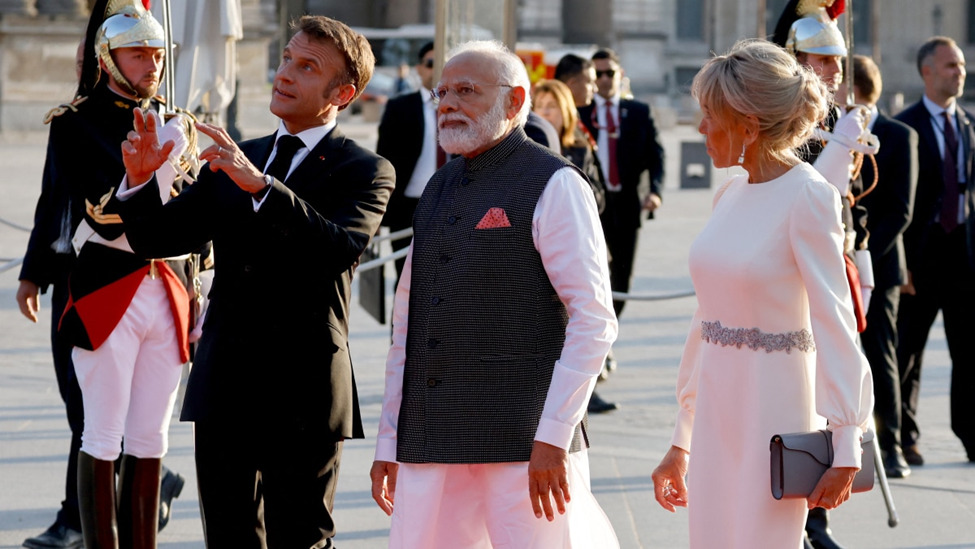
{"x":96,"y":502}
{"x":138,"y":502}
{"x":817,"y":530}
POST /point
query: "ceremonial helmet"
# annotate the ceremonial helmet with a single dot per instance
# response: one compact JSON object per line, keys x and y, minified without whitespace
{"x":127,"y":24}
{"x":810,"y":26}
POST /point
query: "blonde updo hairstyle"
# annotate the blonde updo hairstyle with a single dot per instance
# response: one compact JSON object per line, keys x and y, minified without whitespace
{"x":760,"y":79}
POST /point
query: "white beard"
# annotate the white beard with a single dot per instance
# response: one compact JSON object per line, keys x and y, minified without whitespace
{"x":465,"y":139}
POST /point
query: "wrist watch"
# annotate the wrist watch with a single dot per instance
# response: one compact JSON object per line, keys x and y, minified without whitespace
{"x":268,"y":181}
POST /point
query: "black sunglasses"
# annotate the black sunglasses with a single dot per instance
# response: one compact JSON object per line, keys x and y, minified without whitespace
{"x":608,"y":72}
{"x":428,"y":63}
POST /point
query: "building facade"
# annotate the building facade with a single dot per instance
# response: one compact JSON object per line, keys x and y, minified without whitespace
{"x":662,"y":43}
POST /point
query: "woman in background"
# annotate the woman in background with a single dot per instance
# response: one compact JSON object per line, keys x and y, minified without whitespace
{"x":552,"y":100}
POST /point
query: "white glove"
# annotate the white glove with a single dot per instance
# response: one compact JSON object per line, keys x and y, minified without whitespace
{"x":835,"y":163}
{"x":167,"y":173}
{"x":175,"y":131}
{"x":865,"y":269}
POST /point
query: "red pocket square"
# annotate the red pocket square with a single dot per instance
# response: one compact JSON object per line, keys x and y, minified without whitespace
{"x":495,"y":218}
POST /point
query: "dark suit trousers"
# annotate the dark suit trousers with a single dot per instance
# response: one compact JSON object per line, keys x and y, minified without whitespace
{"x":944,"y":282}
{"x":407,"y":204}
{"x":879,"y":342}
{"x":621,"y":239}
{"x":266,"y":486}
{"x":69,"y":513}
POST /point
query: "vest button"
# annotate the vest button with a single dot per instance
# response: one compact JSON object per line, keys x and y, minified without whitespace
{"x":431,"y":382}
{"x":431,"y":343}
{"x":435,"y":301}
{"x":444,"y":258}
{"x":451,"y":220}
{"x":464,"y":181}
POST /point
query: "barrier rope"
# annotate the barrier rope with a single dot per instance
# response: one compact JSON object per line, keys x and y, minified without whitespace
{"x":14,"y":225}
{"x":408,"y":232}
{"x":380,"y":261}
{"x":11,"y":263}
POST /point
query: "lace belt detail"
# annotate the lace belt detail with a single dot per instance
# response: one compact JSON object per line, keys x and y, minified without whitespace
{"x":755,"y":339}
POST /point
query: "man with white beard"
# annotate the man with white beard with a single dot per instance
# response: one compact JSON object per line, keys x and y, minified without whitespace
{"x":503,"y":318}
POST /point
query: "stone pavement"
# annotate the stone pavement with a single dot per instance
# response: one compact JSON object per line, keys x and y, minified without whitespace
{"x":936,"y":504}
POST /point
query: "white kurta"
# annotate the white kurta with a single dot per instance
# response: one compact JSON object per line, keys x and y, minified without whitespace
{"x":768,"y":259}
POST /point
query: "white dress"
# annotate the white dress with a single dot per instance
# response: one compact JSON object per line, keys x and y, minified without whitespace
{"x":772,"y":349}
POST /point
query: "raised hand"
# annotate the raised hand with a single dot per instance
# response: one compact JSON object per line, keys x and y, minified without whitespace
{"x":224,"y":155}
{"x":142,"y":153}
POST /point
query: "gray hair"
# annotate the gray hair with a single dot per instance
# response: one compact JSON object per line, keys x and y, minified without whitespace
{"x":511,"y":69}
{"x":760,"y":79}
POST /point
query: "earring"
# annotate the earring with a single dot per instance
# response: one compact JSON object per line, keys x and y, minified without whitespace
{"x":741,"y":157}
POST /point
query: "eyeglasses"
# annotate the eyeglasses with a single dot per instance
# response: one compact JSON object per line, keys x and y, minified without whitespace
{"x":464,"y":91}
{"x":428,"y":63}
{"x":608,"y":72}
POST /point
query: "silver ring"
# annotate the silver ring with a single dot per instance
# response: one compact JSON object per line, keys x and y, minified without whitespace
{"x":219,"y":149}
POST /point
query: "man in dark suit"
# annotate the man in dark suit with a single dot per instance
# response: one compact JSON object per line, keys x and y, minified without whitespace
{"x":627,"y":147}
{"x":272,"y":390}
{"x":940,"y":243}
{"x":408,"y":139}
{"x":889,"y":199}
{"x":631,"y":133}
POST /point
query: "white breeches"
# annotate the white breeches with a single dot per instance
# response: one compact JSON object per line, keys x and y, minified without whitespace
{"x":485,"y":506}
{"x":129,"y":383}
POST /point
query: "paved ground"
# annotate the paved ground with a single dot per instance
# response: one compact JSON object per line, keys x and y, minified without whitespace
{"x":936,"y":504}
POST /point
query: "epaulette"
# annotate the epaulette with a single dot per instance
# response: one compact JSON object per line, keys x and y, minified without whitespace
{"x":58,"y":111}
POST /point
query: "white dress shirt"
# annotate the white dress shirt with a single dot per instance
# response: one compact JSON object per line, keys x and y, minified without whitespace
{"x":602,"y":142}
{"x":310,"y":138}
{"x":426,"y":164}
{"x":937,"y":123}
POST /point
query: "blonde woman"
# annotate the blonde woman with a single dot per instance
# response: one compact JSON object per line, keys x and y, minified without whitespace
{"x":773,"y":345}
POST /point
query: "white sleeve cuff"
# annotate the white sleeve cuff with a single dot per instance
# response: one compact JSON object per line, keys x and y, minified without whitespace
{"x":386,"y":449}
{"x":682,"y":431}
{"x":555,"y":433}
{"x":847,"y":450}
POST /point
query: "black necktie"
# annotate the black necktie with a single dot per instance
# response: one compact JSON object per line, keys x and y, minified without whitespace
{"x":288,"y":145}
{"x":949,"y":201}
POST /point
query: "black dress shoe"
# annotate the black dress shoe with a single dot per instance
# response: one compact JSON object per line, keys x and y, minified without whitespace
{"x":817,"y":530}
{"x":57,"y":536}
{"x":912,"y":456}
{"x":599,"y":406}
{"x":169,"y":488}
{"x":895,"y":465}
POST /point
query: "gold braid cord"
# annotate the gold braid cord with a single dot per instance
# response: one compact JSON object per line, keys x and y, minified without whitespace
{"x":876,"y":177}
{"x":61,"y":109}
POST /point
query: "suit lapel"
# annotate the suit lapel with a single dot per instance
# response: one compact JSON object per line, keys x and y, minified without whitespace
{"x":585,"y":114}
{"x":318,"y":159}
{"x":965,"y":129}
{"x":922,"y":123}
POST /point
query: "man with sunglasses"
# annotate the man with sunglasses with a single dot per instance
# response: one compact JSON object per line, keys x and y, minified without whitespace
{"x":627,"y":147}
{"x":408,"y":139}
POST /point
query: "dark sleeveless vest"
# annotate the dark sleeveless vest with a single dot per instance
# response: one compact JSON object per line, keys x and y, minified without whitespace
{"x":485,"y":323}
